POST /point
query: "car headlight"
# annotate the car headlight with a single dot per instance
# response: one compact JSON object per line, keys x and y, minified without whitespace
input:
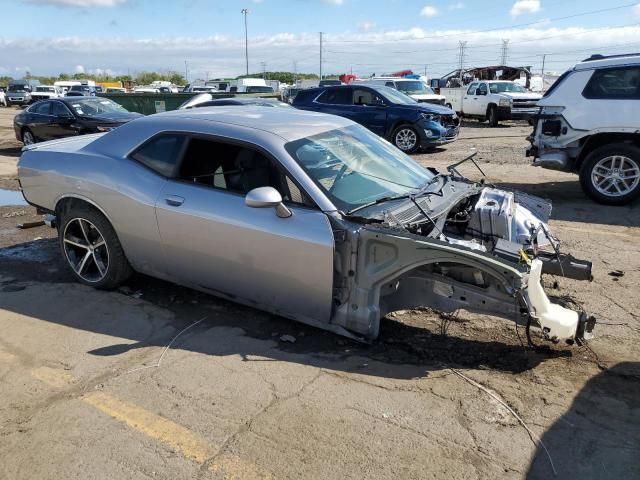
{"x":504,"y":102}
{"x":105,"y":128}
{"x":427,"y":116}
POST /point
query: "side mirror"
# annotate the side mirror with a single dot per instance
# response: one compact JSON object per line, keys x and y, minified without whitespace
{"x":265,"y":197}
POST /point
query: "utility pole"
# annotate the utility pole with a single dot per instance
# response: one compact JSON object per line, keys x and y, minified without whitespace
{"x":544,"y":57}
{"x":321,"y":33}
{"x":264,"y":69}
{"x":244,"y":11}
{"x":463,"y":46}
{"x":295,"y":72}
{"x":504,"y":52}
{"x":186,"y":70}
{"x":425,"y":71}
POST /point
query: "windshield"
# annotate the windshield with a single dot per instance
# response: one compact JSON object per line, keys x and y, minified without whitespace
{"x":45,"y":89}
{"x":17,"y":88}
{"x":394,"y":96}
{"x":506,"y":87}
{"x":259,"y":90}
{"x":414,"y":87}
{"x":80,"y":88}
{"x":95,"y":106}
{"x":354,"y":167}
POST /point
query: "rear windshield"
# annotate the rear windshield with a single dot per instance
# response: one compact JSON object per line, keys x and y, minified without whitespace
{"x":259,"y":90}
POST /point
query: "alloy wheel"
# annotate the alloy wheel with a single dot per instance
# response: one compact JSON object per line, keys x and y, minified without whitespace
{"x":406,"y":139}
{"x":86,"y":250}
{"x":615,"y":176}
{"x":27,"y":138}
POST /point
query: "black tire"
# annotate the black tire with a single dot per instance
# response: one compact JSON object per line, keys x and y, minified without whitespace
{"x":405,"y":132}
{"x":26,"y":132}
{"x":492,"y":115}
{"x":117,"y":266}
{"x":592,"y":174}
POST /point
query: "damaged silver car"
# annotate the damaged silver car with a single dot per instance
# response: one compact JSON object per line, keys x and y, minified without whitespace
{"x":305,"y":215}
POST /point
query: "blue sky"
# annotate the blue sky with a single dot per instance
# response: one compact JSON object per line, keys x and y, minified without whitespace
{"x":366,"y":35}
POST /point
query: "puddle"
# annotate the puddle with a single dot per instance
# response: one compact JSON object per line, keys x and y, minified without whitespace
{"x":11,"y":197}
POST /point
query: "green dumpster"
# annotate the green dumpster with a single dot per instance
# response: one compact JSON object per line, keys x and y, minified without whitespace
{"x":150,"y":103}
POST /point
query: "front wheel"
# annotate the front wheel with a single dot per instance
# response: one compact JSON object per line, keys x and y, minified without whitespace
{"x":28,"y":138}
{"x":91,"y":248}
{"x":611,"y":174}
{"x":492,"y":116}
{"x":406,"y":139}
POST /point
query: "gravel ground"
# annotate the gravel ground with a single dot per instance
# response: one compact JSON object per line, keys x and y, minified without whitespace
{"x":231,"y":399}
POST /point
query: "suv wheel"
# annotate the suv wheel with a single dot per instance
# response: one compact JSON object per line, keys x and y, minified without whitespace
{"x":611,"y":174}
{"x":406,"y":139}
{"x":492,"y":116}
{"x":91,"y":248}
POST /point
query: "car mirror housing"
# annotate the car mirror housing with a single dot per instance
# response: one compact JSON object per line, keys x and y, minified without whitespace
{"x":265,"y":197}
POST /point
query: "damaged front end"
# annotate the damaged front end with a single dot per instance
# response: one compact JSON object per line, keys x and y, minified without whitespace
{"x":457,"y":245}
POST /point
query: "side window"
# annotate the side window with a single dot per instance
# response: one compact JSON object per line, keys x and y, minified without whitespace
{"x":41,"y":108}
{"x":161,"y":154}
{"x":390,"y":84}
{"x":336,"y":96}
{"x":366,"y":97}
{"x":235,"y":168}
{"x":482,"y":89}
{"x":472,"y":89}
{"x":614,"y":83}
{"x":59,"y":110}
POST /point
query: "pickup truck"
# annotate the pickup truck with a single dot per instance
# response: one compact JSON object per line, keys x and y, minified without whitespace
{"x":492,"y":100}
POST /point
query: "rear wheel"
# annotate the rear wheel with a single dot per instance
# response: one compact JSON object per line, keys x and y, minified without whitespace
{"x":28,"y":137}
{"x":611,"y":174}
{"x":492,"y":116}
{"x":406,"y":139}
{"x":91,"y":248}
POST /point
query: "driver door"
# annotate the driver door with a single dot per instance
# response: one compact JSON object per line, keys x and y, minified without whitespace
{"x":369,"y":110}
{"x":213,"y":241}
{"x":483,"y":99}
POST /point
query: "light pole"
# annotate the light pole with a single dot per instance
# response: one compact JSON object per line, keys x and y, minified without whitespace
{"x":246,"y":40}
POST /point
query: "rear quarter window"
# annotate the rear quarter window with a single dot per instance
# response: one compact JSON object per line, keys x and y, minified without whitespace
{"x":161,"y":154}
{"x":620,"y":83}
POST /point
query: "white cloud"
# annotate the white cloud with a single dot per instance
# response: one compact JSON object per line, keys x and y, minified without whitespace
{"x":456,"y":6}
{"x":380,"y":51}
{"x":79,"y":69}
{"x":429,"y":11}
{"x":525,"y":6}
{"x":366,"y":26}
{"x":334,"y":2}
{"x":79,"y":3}
{"x":257,"y":1}
{"x":636,"y":10}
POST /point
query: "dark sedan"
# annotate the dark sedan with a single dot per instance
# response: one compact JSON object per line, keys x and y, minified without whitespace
{"x":69,"y":116}
{"x":407,"y":124}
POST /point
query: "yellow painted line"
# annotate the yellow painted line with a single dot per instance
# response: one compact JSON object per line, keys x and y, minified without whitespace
{"x":232,"y":467}
{"x":52,"y":376}
{"x":177,"y":437}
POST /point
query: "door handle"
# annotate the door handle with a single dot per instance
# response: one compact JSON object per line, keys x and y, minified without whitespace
{"x":174,"y":200}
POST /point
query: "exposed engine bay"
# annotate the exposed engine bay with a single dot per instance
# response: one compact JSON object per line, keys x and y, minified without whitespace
{"x":457,"y":245}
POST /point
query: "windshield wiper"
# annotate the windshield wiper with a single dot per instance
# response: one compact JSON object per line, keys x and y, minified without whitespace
{"x":406,"y":196}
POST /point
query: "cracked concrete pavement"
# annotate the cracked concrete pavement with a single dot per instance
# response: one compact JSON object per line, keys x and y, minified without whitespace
{"x":83,"y":396}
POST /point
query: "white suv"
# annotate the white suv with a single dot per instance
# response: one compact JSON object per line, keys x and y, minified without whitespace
{"x":589,"y":124}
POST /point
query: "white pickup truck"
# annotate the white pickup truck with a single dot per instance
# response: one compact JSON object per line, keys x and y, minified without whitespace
{"x":492,"y":100}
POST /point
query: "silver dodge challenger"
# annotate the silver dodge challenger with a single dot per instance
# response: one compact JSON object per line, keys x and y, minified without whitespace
{"x":301,"y":214}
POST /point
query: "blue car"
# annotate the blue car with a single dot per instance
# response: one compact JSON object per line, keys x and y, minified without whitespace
{"x":407,"y":124}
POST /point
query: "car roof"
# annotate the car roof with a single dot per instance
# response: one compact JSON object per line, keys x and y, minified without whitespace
{"x":287,"y":123}
{"x":600,"y":61}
